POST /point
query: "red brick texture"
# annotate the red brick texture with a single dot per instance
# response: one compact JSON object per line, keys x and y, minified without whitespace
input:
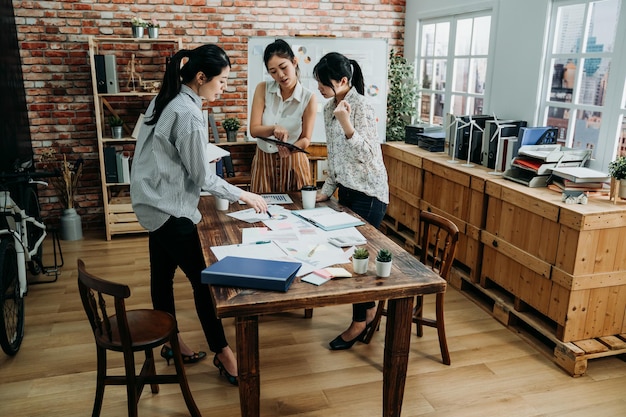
{"x":52,"y":37}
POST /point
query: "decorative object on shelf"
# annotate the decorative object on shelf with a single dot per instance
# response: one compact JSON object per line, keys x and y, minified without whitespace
{"x":360,"y":260}
{"x":153,"y":28}
{"x":66,"y":185}
{"x":617,"y":171}
{"x":151,"y":86}
{"x":131,"y":67}
{"x":138,"y":25}
{"x":401,"y":97}
{"x":116,"y":124}
{"x":231,"y":125}
{"x":383,"y":263}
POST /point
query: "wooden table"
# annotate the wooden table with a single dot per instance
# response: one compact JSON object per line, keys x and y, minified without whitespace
{"x":408,"y":278}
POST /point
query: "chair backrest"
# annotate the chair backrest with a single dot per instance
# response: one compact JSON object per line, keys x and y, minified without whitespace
{"x":92,"y":290}
{"x":439,"y":237}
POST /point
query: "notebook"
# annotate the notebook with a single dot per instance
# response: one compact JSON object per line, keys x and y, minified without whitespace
{"x":328,"y":219}
{"x":261,"y":274}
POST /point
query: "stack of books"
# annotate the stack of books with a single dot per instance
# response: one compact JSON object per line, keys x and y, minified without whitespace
{"x":579,"y":179}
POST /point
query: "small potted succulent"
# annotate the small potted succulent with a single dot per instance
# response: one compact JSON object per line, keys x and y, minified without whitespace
{"x":617,"y":170}
{"x":116,"y":124}
{"x":383,"y":263}
{"x":360,"y":260}
{"x":231,"y":125}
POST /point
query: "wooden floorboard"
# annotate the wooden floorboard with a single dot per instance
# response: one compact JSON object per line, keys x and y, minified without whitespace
{"x":494,"y":372}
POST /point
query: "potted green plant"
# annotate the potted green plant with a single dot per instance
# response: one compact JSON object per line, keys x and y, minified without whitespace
{"x":383,"y":263}
{"x":231,"y":125}
{"x":617,"y":170}
{"x":116,"y":124}
{"x":401,"y":98}
{"x":360,"y":260}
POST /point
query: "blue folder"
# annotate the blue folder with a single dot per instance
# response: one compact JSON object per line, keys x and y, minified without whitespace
{"x":261,"y":274}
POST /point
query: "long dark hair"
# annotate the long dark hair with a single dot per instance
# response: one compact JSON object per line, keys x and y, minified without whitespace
{"x":281,"y":49}
{"x":209,"y":59}
{"x":335,"y":66}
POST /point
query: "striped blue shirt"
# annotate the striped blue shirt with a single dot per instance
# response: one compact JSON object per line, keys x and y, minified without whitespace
{"x":170,"y":165}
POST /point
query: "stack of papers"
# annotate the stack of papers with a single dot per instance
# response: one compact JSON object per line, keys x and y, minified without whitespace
{"x":328,"y":219}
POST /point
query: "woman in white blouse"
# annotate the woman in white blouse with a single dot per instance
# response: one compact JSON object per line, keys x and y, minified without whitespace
{"x":355,"y":161}
{"x":281,"y":109}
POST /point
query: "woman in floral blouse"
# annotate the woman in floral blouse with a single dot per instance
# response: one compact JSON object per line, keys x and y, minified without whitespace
{"x":355,"y":161}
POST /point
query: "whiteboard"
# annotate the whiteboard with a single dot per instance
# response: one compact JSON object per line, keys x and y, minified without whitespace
{"x":371,"y":54}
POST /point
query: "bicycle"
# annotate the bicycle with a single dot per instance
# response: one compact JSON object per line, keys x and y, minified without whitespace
{"x":21,"y":235}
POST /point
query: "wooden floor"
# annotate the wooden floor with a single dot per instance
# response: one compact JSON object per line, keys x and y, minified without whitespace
{"x":493,"y":373}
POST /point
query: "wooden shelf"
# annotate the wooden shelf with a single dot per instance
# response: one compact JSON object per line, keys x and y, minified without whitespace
{"x":151,"y":57}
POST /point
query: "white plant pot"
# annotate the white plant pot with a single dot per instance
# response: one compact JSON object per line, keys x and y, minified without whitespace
{"x":383,"y":269}
{"x":360,"y":265}
{"x":153,"y":33}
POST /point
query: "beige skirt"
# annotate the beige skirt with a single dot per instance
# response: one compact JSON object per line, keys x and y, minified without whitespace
{"x":272,"y":174}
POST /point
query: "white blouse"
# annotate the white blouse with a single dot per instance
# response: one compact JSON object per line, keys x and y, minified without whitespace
{"x":286,"y":113}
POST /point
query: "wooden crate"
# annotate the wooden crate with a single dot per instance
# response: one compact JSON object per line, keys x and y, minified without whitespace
{"x":458,"y":194}
{"x":404,"y":167}
{"x":566,"y":261}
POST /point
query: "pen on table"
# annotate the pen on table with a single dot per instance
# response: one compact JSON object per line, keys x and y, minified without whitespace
{"x":258,"y":242}
{"x":313,"y":251}
{"x":269,"y":214}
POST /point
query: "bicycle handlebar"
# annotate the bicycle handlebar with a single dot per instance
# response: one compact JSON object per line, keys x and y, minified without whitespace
{"x":25,"y":176}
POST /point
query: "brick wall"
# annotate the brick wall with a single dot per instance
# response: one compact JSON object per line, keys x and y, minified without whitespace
{"x":53,"y":41}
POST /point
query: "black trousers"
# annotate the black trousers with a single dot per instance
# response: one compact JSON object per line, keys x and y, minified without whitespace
{"x":373,"y":211}
{"x":177,"y":244}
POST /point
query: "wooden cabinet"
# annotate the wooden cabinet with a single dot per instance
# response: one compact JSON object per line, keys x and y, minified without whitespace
{"x":420,"y":180}
{"x":564,"y":262}
{"x":138,"y":65}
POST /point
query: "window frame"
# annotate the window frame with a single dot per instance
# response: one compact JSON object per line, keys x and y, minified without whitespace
{"x":448,"y":91}
{"x":614,"y":108}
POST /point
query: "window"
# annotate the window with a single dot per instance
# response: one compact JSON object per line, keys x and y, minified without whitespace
{"x":584,"y":95}
{"x":461,"y":44}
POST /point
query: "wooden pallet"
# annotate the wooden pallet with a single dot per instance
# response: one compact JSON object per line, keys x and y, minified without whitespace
{"x":537,"y":329}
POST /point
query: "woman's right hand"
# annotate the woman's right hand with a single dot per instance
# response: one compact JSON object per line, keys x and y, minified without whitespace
{"x":321,"y":197}
{"x":254,"y":200}
{"x":281,"y":133}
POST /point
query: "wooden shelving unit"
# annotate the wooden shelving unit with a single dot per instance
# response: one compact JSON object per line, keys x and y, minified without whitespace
{"x":149,"y":57}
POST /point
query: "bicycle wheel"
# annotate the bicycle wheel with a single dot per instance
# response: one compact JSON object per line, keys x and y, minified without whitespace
{"x":31,"y":206}
{"x":12,"y":318}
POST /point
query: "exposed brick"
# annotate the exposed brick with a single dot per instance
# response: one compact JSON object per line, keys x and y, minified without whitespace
{"x":52,"y":36}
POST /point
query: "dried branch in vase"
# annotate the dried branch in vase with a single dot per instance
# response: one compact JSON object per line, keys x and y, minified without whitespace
{"x":66,"y":183}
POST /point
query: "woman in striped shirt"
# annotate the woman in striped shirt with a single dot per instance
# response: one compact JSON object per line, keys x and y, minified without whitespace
{"x":170,"y":168}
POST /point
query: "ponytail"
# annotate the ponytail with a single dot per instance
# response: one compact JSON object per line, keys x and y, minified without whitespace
{"x":335,"y":66}
{"x":209,"y":59}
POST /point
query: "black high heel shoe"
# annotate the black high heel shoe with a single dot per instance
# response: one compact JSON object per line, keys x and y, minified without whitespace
{"x":168,"y":354}
{"x":339,"y":344}
{"x":219,"y":365}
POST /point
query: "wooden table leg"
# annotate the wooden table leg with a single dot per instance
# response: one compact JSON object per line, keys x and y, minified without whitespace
{"x":248,"y":365}
{"x":397,"y":343}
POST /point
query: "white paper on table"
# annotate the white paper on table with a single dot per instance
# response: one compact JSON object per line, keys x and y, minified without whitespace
{"x":257,"y":234}
{"x":267,"y":250}
{"x":251,"y":216}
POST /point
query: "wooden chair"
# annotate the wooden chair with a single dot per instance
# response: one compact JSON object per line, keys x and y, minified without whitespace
{"x":439,"y":237}
{"x":129,"y":332}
